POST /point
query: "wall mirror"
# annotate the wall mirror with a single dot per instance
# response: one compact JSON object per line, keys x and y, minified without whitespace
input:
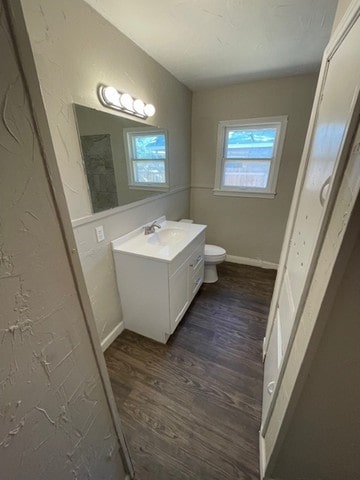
{"x":124,"y":160}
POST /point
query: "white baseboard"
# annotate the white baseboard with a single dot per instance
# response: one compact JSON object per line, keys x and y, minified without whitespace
{"x":112,"y":335}
{"x":254,"y":262}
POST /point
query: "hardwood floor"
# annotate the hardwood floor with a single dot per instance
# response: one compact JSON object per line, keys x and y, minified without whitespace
{"x":191,"y":409}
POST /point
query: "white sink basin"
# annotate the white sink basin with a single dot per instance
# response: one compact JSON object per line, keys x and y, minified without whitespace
{"x":166,"y":236}
{"x":164,"y":245}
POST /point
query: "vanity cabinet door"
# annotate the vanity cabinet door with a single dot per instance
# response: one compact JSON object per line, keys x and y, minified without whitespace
{"x":179,"y":295}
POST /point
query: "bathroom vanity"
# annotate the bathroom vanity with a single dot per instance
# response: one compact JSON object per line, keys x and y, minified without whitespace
{"x":158,"y":276}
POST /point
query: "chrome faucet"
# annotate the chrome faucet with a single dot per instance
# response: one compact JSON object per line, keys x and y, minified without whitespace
{"x":151,"y":228}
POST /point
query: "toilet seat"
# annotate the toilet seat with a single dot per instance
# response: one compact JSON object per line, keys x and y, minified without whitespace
{"x":214,"y":250}
{"x":213,"y":253}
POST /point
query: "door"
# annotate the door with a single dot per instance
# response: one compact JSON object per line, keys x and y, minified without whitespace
{"x":179,"y":295}
{"x":338,"y":102}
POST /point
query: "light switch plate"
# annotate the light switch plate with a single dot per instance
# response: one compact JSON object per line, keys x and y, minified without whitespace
{"x":100,"y":233}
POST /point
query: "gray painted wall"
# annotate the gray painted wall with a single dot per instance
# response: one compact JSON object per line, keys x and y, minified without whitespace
{"x":75,"y":50}
{"x":55,"y":420}
{"x":248,"y":227}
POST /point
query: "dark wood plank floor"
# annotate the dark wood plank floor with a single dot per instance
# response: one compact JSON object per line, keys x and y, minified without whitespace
{"x":191,"y":409}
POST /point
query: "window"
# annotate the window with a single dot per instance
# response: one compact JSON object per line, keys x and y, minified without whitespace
{"x":248,"y":156}
{"x":146,"y":155}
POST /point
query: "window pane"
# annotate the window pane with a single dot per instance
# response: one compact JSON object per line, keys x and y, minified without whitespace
{"x":149,"y":146}
{"x":250,"y":142}
{"x":149,"y":171}
{"x":243,"y":174}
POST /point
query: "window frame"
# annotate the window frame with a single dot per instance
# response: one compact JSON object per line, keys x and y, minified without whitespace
{"x":280,"y":123}
{"x":129,"y":133}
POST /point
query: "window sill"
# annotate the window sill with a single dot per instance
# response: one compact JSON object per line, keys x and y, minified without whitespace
{"x":233,"y":193}
{"x":155,"y":188}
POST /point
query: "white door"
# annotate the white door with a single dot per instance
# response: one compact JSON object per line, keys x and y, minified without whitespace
{"x":179,"y":295}
{"x":338,"y":101}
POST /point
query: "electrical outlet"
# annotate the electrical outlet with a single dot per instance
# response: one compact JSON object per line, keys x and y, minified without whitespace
{"x":100,"y":233}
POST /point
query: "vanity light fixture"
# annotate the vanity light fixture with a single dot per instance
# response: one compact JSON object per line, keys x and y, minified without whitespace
{"x":110,"y":97}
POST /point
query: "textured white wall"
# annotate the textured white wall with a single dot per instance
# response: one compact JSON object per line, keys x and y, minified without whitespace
{"x":248,"y":227}
{"x":75,"y":50}
{"x":55,"y":420}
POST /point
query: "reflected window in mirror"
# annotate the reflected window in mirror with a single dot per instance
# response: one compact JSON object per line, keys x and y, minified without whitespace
{"x":104,"y":149}
{"x":147,"y":158}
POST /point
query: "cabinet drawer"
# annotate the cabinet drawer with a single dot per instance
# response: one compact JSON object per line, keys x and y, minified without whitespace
{"x":196,"y":245}
{"x":197,"y":277}
{"x":197,"y":258}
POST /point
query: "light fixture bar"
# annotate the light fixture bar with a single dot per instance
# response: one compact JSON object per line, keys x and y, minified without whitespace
{"x":124,"y":102}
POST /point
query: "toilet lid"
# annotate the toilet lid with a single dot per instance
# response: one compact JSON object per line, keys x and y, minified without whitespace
{"x":214,"y":250}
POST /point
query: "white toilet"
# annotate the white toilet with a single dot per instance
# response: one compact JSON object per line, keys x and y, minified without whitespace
{"x":213,"y":255}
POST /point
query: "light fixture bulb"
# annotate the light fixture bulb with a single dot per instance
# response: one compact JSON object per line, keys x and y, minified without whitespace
{"x":111,"y":95}
{"x":127,"y":101}
{"x":149,"y":110}
{"x":139,"y":106}
{"x":124,"y":102}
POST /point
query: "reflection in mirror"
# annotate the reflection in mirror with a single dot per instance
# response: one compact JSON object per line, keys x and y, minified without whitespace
{"x":146,"y":156}
{"x":125,"y":160}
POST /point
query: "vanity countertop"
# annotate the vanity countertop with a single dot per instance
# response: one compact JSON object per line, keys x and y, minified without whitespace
{"x":163,"y":245}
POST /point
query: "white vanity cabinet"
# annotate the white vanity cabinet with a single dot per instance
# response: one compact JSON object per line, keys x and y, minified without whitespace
{"x":156,"y":292}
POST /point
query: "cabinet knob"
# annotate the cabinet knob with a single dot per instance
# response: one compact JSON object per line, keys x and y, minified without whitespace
{"x":271,"y":387}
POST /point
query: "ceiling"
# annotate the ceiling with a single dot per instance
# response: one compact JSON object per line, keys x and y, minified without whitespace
{"x":210,"y":43}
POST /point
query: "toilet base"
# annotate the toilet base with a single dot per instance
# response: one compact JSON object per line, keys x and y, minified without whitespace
{"x":210,"y":273}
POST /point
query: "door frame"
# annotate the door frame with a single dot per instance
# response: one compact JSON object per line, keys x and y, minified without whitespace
{"x":14,"y":12}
